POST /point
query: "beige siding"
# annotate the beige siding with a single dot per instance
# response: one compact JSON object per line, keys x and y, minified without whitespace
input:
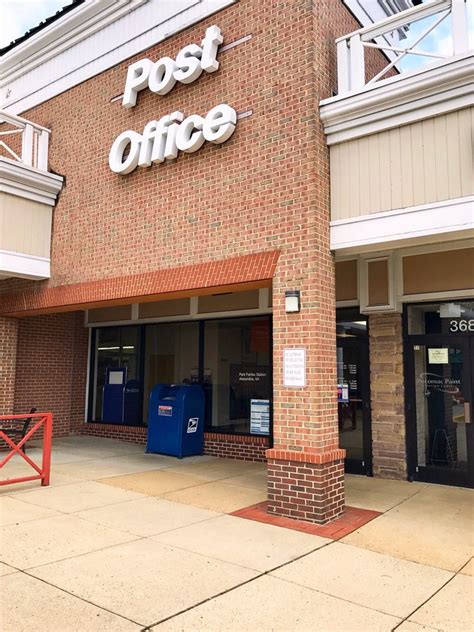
{"x":428,"y":161}
{"x":25,"y":226}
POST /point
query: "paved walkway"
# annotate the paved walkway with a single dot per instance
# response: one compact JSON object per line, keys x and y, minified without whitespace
{"x":122,"y":540}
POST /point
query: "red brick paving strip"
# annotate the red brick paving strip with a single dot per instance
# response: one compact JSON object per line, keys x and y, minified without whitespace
{"x":352,"y":519}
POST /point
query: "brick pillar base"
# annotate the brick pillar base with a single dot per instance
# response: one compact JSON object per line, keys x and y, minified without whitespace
{"x":306,"y":486}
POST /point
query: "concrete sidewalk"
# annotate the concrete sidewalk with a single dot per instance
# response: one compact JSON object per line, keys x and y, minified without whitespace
{"x":124,"y":540}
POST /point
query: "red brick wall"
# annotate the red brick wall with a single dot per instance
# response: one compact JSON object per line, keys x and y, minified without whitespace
{"x":267,"y":188}
{"x":221,"y":445}
{"x":241,"y":447}
{"x":51,"y":368}
{"x":8,"y":352}
{"x":132,"y":434}
{"x":306,"y":491}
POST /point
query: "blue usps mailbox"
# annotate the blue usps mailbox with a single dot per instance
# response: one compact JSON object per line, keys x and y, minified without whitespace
{"x":176,"y":420}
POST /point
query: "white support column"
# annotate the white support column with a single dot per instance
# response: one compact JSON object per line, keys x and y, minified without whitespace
{"x":42,"y":157}
{"x":343,"y":63}
{"x":357,"y":65}
{"x":459,"y":26}
{"x":27,"y":145}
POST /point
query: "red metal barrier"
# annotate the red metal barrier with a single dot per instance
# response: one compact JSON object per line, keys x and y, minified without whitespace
{"x":39,"y":420}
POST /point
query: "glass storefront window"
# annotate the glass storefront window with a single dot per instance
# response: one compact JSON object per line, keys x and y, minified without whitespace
{"x":353,"y":388}
{"x":456,"y":317}
{"x":115,"y":348}
{"x":237,"y":375}
{"x":231,"y":358}
{"x":351,"y":328}
{"x":171,"y":356}
{"x":439,"y":352}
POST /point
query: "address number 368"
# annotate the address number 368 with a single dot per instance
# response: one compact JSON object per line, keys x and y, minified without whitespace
{"x":461,"y":325}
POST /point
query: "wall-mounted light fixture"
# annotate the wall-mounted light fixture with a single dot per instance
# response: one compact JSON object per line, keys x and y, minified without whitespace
{"x":292,"y":301}
{"x":450,"y":310}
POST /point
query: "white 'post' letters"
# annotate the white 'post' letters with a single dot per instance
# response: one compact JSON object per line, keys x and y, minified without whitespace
{"x":162,"y":75}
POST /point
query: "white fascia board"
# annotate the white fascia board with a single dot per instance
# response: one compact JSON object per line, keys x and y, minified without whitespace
{"x":431,"y":91}
{"x":28,"y":182}
{"x":23,"y":266}
{"x":403,"y":225}
{"x":102,"y":40}
{"x":49,"y":41}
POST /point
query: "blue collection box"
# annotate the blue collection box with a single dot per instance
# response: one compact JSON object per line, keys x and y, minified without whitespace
{"x":176,"y":420}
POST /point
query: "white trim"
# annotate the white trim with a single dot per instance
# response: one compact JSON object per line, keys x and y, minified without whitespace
{"x":19,"y":179}
{"x":428,"y":248}
{"x":193,"y":306}
{"x":348,"y":303}
{"x":88,"y":41}
{"x":437,"y":218}
{"x":338,"y":257}
{"x":71,"y":28}
{"x":428,"y":297}
{"x":17,"y":264}
{"x":184,"y":317}
{"x":399,"y":19}
{"x":263,"y":297}
{"x":353,"y":302}
{"x":393,"y":304}
{"x":409,"y":97}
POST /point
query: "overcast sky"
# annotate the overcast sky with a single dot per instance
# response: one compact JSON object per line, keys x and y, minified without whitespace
{"x":17,"y":16}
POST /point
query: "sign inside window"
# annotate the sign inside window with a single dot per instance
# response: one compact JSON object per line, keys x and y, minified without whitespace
{"x":260,"y":416}
{"x":438,"y":356}
{"x":343,"y":393}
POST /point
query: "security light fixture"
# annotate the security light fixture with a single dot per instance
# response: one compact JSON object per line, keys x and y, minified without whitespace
{"x":292,"y":301}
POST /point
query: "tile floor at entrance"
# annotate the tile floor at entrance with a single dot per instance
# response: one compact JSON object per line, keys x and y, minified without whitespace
{"x":125,"y":540}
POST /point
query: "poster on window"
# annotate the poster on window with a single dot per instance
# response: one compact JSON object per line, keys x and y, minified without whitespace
{"x":260,"y":416}
{"x":247,"y":382}
{"x":343,"y":393}
{"x":438,"y":356}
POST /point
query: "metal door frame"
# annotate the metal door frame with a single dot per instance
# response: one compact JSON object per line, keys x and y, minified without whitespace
{"x":354,"y":466}
{"x":433,"y":474}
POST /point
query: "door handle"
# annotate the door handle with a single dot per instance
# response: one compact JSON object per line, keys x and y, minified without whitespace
{"x":467,"y":412}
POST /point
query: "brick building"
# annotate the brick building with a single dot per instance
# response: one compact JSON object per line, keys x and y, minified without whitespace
{"x":169,"y":211}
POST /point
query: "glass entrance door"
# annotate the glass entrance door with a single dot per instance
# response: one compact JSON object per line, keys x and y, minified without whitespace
{"x":353,"y":391}
{"x":440,"y":369}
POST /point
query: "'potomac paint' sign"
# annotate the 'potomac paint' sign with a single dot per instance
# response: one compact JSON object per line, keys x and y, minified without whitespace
{"x":162,"y":139}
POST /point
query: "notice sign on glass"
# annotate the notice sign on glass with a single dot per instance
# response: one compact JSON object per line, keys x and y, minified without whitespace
{"x":260,"y":416}
{"x":294,"y":367}
{"x":343,"y":393}
{"x":438,"y":356}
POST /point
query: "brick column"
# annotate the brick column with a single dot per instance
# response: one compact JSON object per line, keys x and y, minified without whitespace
{"x":8,"y":350}
{"x":306,"y":466}
{"x":387,"y":396}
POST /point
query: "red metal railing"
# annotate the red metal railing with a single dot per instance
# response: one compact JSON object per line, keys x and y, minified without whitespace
{"x":38,"y":420}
